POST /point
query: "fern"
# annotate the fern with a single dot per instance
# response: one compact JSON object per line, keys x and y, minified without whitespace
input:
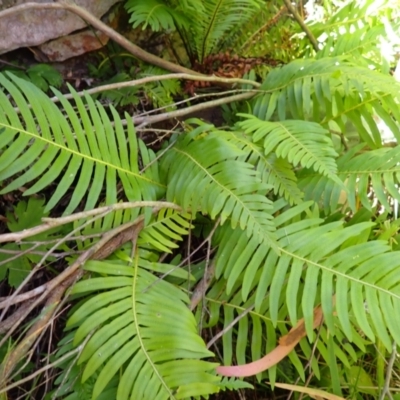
{"x":157,"y":14}
{"x":218,"y":184}
{"x":378,"y":169}
{"x":297,"y":141}
{"x":137,"y":329}
{"x":81,"y":148}
{"x":275,"y":259}
{"x":202,"y":24}
{"x":305,"y":275}
{"x":332,"y":91}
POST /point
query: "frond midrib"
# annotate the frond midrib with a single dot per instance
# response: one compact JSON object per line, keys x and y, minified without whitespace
{"x":81,"y":155}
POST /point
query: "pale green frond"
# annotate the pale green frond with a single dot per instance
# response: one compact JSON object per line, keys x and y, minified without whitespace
{"x":300,"y":142}
{"x":204,"y":174}
{"x":335,"y":92}
{"x":354,"y":45}
{"x":76,"y":149}
{"x":140,"y":325}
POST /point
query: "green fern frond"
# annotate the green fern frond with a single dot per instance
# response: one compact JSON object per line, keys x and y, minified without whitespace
{"x":142,"y":328}
{"x":300,"y":142}
{"x":203,"y":173}
{"x":43,"y":145}
{"x":253,"y":280}
{"x":274,"y":171}
{"x":358,"y":45}
{"x":162,"y":233}
{"x":349,"y":15}
{"x":157,"y":14}
{"x":218,"y":18}
{"x":376,"y":170}
{"x":335,"y":92}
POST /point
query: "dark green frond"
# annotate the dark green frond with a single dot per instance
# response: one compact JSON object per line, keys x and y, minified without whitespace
{"x":217,"y":19}
{"x":155,"y":13}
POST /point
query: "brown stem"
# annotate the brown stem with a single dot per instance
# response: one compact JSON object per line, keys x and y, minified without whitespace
{"x":300,"y":21}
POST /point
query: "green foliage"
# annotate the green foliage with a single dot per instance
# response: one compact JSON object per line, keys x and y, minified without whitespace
{"x":202,"y":25}
{"x":290,"y":190}
{"x":42,"y":75}
{"x":122,"y":96}
{"x":15,"y":265}
{"x":81,"y":145}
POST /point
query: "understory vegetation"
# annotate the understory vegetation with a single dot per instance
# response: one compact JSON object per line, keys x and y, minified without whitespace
{"x":236,"y":204}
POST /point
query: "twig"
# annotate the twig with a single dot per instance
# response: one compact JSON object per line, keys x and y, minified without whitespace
{"x":7,"y":302}
{"x":157,"y":78}
{"x":300,"y":21}
{"x":143,"y":121}
{"x":389,"y":369}
{"x":50,"y":223}
{"x":77,"y":350}
{"x":200,"y":290}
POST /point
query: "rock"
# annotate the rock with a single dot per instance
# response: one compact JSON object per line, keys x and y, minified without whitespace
{"x":73,"y":45}
{"x":33,"y":27}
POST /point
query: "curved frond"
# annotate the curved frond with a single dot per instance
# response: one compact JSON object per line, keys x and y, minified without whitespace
{"x":167,"y":228}
{"x":143,"y":329}
{"x":203,"y":173}
{"x":274,"y":171}
{"x":78,"y":149}
{"x":354,"y":44}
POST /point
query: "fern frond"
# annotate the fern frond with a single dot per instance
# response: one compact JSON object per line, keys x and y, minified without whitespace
{"x":340,"y":274}
{"x":335,"y":92}
{"x":79,"y":149}
{"x":162,"y":233}
{"x":203,"y":173}
{"x":378,"y":170}
{"x":143,"y":328}
{"x":356,"y":45}
{"x":274,"y":171}
{"x":157,"y":14}
{"x":218,"y":18}
{"x":300,"y":142}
